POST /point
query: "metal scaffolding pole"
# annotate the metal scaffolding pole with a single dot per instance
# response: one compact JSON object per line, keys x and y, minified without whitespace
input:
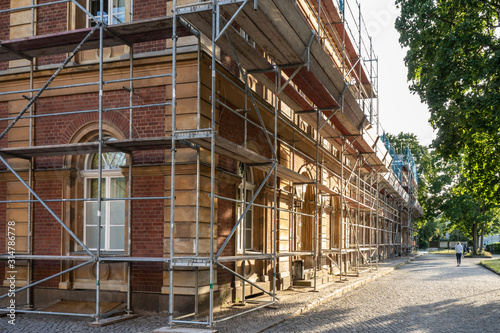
{"x":341,"y":204}
{"x":99,"y":167}
{"x":316,"y":198}
{"x":215,"y":19}
{"x":358,"y":217}
{"x":172,"y":170}
{"x":198,"y":176}
{"x":275,"y":224}
{"x":29,"y":291}
{"x":130,"y":180}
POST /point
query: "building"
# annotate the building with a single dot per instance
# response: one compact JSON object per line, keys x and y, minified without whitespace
{"x":259,"y":118}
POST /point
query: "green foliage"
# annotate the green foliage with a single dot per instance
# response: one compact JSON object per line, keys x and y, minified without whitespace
{"x":453,"y":59}
{"x":481,"y":167}
{"x":224,"y":294}
{"x":469,"y":215}
{"x":479,"y":253}
{"x":493,"y":248}
{"x":448,"y":199}
{"x":462,"y":212}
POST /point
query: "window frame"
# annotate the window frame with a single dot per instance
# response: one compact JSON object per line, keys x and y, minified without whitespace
{"x":106,"y":176}
{"x":108,"y":12}
{"x":245,"y":193}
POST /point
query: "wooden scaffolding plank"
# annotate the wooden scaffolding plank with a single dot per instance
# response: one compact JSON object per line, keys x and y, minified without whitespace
{"x":289,"y":21}
{"x":240,"y":153}
{"x":260,"y":28}
{"x":228,"y":148}
{"x":328,"y":190}
{"x":127,"y":145}
{"x":252,"y":22}
{"x":67,"y":41}
{"x":248,"y":56}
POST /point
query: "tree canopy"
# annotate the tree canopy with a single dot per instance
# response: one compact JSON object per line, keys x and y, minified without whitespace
{"x":444,"y":192}
{"x":453,"y":62}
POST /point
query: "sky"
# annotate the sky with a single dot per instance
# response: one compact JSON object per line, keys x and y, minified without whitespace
{"x":399,"y":109}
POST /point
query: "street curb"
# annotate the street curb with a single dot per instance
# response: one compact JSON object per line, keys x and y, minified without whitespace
{"x":340,"y":292}
{"x":488,"y":268}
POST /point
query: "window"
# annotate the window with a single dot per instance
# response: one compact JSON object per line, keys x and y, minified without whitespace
{"x":115,"y":7}
{"x":245,"y":194}
{"x":112,"y":211}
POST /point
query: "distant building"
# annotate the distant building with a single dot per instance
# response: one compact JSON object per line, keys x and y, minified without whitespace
{"x":492,"y":239}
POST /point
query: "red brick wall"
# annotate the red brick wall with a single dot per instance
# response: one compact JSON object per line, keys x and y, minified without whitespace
{"x":47,"y":231}
{"x":4,"y":28}
{"x":51,"y":18}
{"x":147,"y":233}
{"x":4,"y":20}
{"x":153,"y":46}
{"x":148,"y":122}
{"x":226,"y":217}
{"x":147,"y":9}
{"x":45,"y":268}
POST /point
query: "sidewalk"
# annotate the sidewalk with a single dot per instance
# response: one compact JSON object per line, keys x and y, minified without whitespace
{"x":292,"y":302}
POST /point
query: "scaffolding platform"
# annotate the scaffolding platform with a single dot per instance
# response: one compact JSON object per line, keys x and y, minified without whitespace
{"x":67,"y":41}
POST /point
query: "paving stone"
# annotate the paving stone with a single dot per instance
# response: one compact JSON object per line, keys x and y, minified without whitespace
{"x":430,"y":294}
{"x":427,"y":294}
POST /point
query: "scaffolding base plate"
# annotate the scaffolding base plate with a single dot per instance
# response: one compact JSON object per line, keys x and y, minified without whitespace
{"x":112,"y":320}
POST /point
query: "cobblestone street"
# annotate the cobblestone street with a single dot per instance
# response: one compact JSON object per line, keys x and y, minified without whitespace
{"x":429,"y":294}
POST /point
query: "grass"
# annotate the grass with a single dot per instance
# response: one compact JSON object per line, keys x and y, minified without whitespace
{"x":483,"y":253}
{"x":493,"y":264}
{"x":443,"y":251}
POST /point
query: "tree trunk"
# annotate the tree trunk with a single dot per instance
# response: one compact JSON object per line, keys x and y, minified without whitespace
{"x":474,"y":238}
{"x":483,"y":225}
{"x":482,"y":236}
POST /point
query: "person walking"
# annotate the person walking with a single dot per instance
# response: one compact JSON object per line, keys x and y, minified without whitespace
{"x":459,"y":249}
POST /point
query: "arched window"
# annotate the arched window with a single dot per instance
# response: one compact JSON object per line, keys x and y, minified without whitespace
{"x":112,"y":211}
{"x":246,"y":189}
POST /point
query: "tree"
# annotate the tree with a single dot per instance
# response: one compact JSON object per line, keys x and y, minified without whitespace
{"x":453,"y":62}
{"x":481,"y":168}
{"x":462,"y":211}
{"x":472,"y":218}
{"x":447,"y":194}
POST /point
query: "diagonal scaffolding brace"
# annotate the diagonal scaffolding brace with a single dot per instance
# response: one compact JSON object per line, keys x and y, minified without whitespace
{"x":246,"y":210}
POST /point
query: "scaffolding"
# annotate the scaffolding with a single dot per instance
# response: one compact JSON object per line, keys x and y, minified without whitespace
{"x":313,"y":58}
